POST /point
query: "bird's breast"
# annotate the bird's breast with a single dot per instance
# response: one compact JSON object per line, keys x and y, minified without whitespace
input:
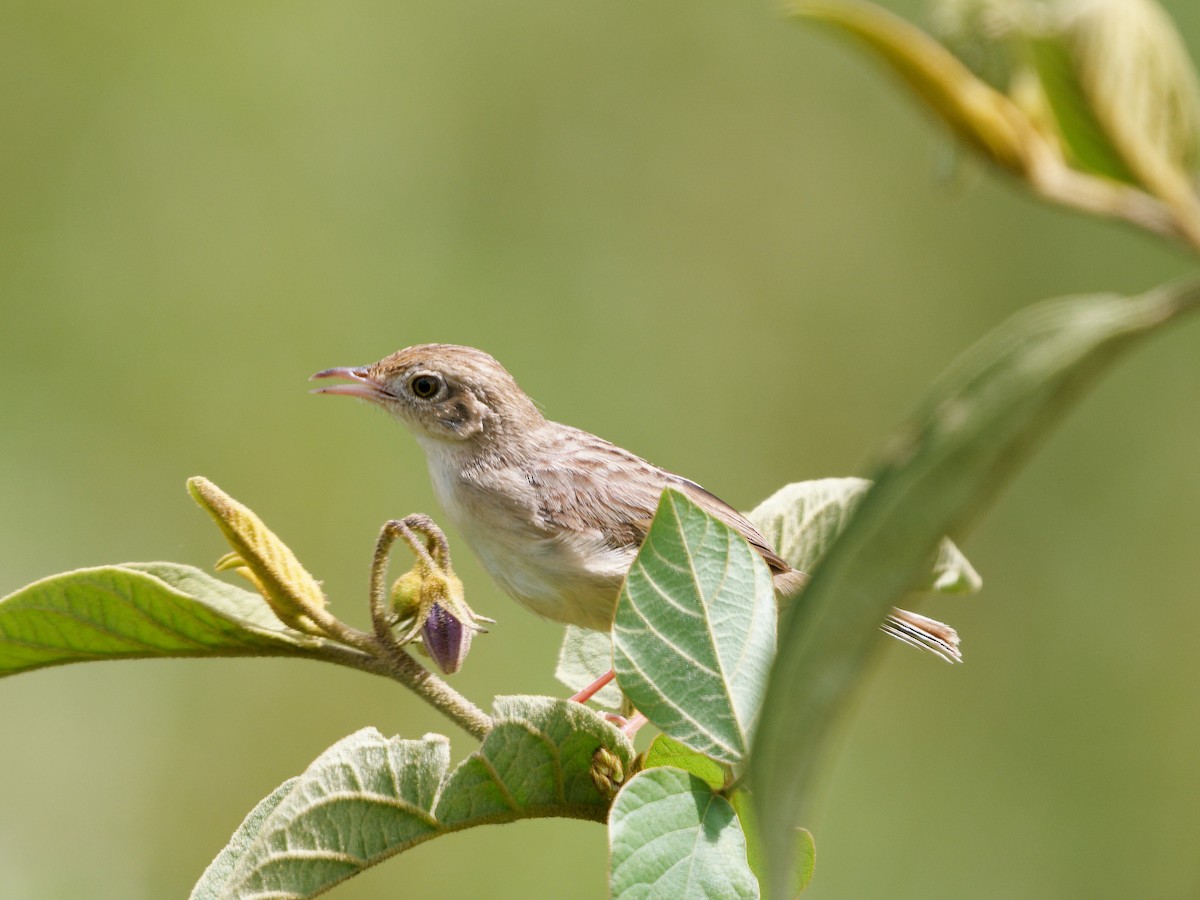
{"x":563,"y":575}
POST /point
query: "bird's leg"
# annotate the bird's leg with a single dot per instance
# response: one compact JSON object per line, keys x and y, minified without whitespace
{"x":633,"y":724}
{"x":630,"y":726}
{"x":594,"y":688}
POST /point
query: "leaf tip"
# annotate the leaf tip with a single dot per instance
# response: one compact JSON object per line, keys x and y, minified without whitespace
{"x":200,"y":488}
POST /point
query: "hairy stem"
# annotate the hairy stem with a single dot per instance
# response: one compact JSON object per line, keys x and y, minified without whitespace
{"x":398,"y":665}
{"x":381,"y":615}
{"x":393,"y":659}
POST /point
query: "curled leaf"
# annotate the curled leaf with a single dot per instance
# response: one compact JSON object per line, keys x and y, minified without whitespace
{"x":977,"y":112}
{"x":1134,"y":70}
{"x":262,"y":558}
{"x":977,"y":424}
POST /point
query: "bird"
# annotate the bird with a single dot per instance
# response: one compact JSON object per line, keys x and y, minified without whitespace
{"x":554,"y":514}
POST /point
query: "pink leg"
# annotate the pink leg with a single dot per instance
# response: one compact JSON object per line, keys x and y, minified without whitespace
{"x":630,"y":726}
{"x":592,"y":689}
{"x":635,"y":722}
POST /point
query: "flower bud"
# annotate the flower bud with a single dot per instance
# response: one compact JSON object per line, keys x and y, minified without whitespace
{"x":406,"y":598}
{"x":446,"y":639}
{"x":607,"y":772}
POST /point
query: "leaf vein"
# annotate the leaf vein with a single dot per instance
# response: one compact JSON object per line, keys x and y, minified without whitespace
{"x":679,"y":651}
{"x":703,"y":730}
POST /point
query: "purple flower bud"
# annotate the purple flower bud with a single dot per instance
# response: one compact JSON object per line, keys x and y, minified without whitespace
{"x":446,"y":639}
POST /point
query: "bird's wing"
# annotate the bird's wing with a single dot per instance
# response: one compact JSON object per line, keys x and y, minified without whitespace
{"x":595,"y":486}
{"x":602,"y":492}
{"x":717,"y":507}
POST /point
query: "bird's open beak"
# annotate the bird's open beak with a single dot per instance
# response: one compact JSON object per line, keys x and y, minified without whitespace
{"x":361,"y":384}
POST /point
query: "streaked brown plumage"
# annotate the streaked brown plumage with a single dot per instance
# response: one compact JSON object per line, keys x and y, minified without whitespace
{"x":555,"y":514}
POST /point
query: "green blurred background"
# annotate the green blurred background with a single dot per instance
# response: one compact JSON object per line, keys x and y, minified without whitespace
{"x":715,"y":237}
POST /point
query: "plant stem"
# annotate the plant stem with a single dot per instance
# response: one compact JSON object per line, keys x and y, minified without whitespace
{"x":397,"y":662}
{"x":398,"y":665}
{"x":435,"y":691}
{"x":380,"y":614}
{"x":1051,"y":178}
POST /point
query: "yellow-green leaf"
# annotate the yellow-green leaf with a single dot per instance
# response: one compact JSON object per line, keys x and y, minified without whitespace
{"x":1142,"y":88}
{"x":977,"y":112}
{"x":292,"y":593}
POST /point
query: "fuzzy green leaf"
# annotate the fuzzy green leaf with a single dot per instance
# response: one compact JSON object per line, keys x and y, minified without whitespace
{"x":585,"y":655}
{"x":135,"y":611}
{"x":802,"y":520}
{"x":536,"y":760}
{"x":672,"y":837}
{"x":978,"y":422}
{"x":363,"y":799}
{"x":212,"y":883}
{"x":695,"y":630}
{"x":368,"y":797}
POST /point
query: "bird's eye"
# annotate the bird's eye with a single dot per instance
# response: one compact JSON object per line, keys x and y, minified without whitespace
{"x":425,"y":386}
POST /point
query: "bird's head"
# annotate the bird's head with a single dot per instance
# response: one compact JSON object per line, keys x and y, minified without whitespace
{"x":442,"y":392}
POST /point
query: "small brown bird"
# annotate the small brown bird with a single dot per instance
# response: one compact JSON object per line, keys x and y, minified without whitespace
{"x":555,"y":514}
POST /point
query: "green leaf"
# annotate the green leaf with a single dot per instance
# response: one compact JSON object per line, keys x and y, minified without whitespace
{"x":672,"y":837}
{"x":585,"y":655}
{"x":369,"y":797}
{"x":806,"y":860}
{"x":537,"y":760}
{"x":135,"y":611}
{"x":978,"y":422}
{"x":211,"y":885}
{"x":363,"y":799}
{"x":802,"y":520}
{"x":666,"y":752}
{"x":695,"y":630}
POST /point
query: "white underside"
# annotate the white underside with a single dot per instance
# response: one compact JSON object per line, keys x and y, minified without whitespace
{"x":569,"y":578}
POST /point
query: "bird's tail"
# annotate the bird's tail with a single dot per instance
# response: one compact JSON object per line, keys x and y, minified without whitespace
{"x":923,"y":632}
{"x":914,"y":629}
